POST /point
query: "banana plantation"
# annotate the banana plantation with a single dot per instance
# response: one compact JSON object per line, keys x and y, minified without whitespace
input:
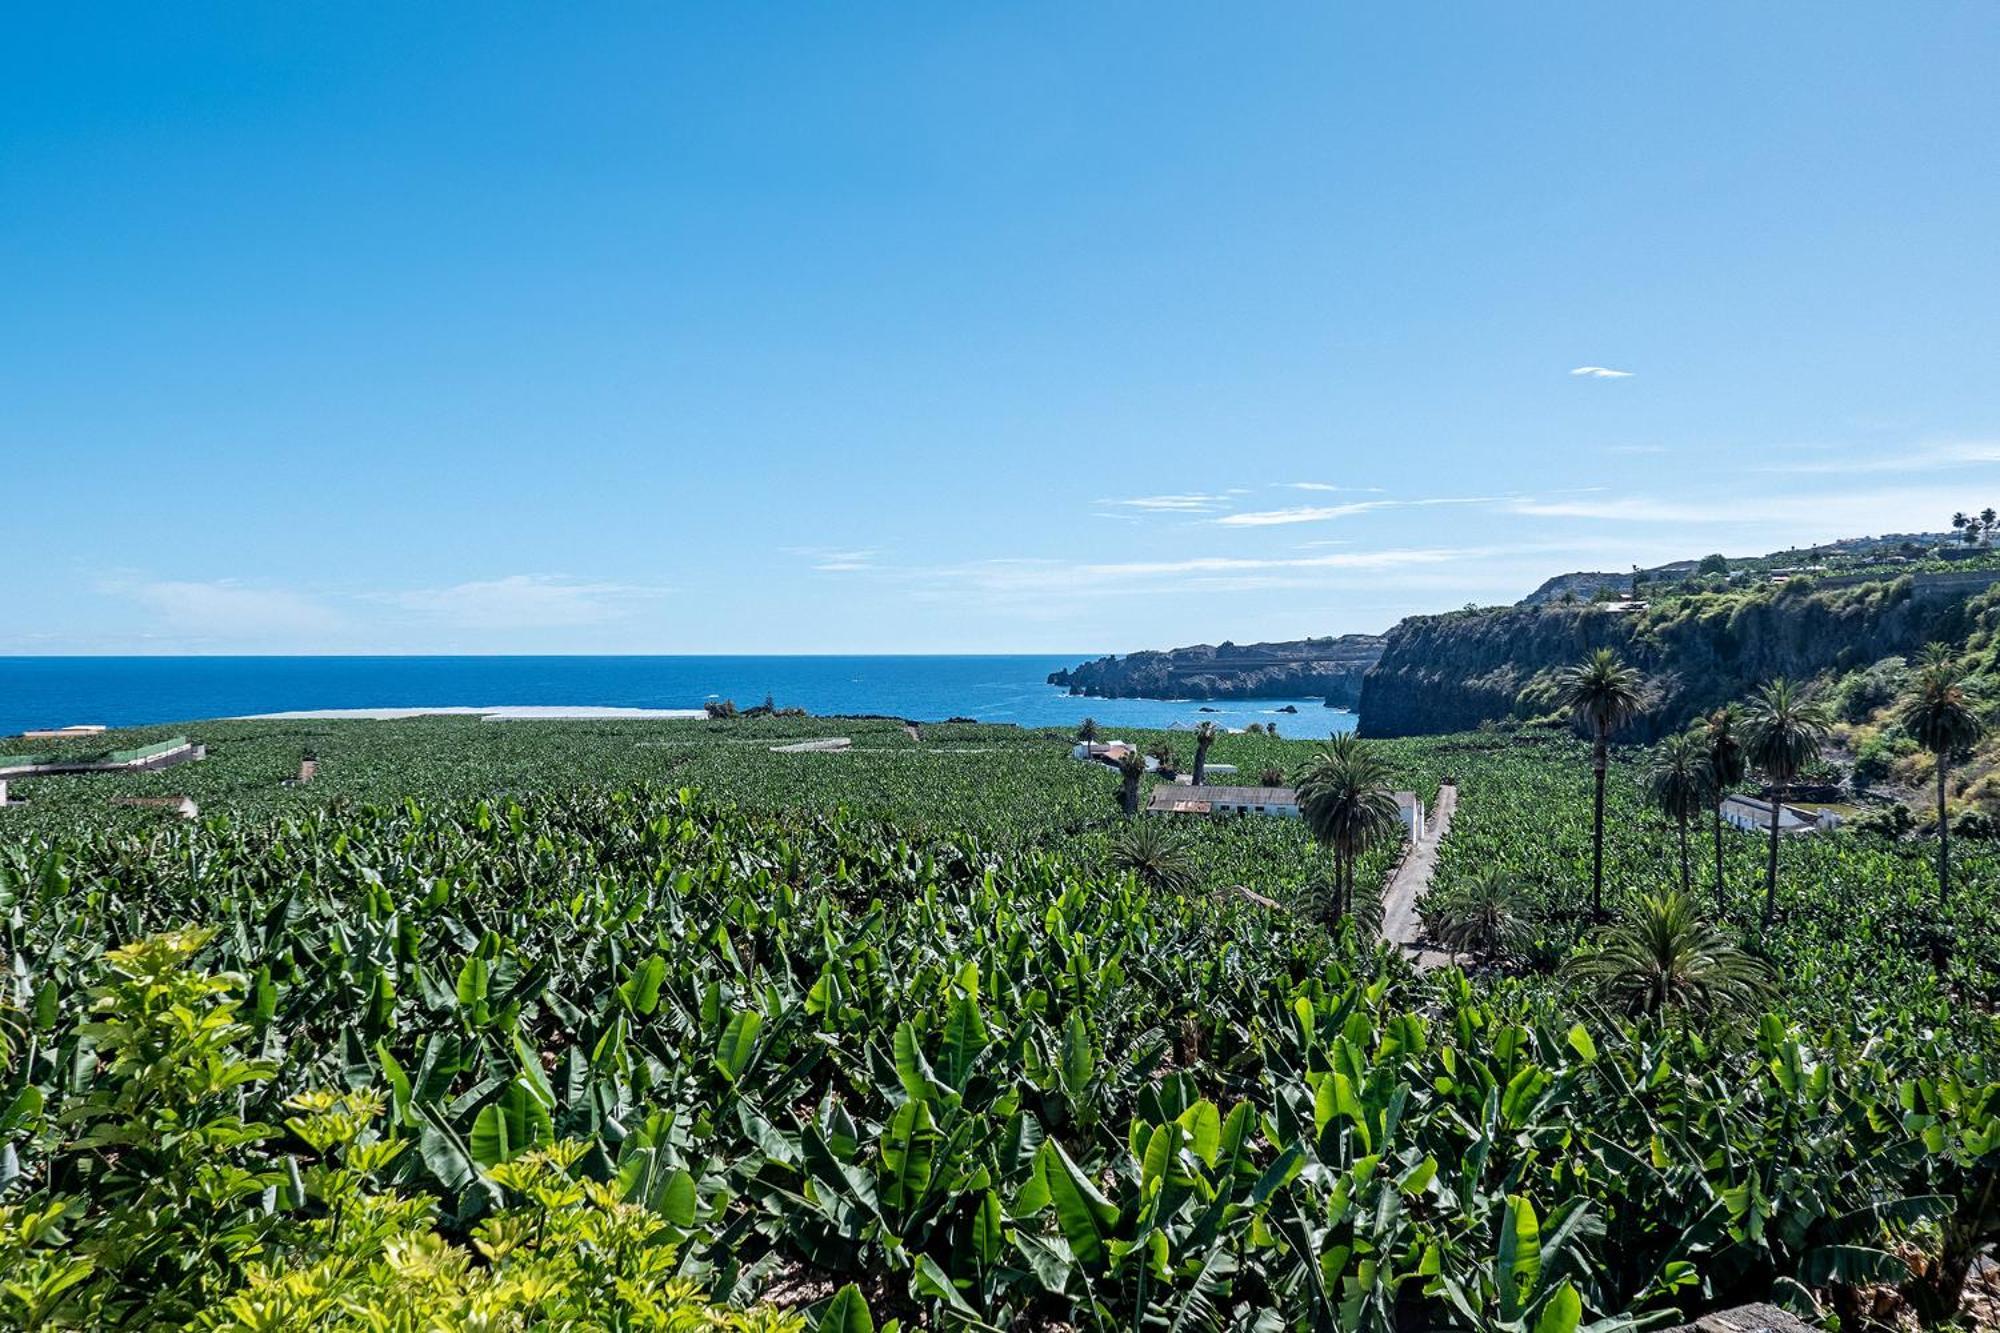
{"x":498,"y":1026}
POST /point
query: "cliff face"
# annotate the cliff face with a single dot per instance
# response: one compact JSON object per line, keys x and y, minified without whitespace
{"x":1329,"y":668}
{"x":1452,"y":672}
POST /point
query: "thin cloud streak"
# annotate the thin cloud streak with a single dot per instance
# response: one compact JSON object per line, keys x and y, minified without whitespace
{"x":1325,"y":513}
{"x":1780,"y":519}
{"x":1927,"y":458}
{"x":837,"y":560}
{"x":525,"y":601}
{"x":1192,"y":503}
{"x":1602,"y":373}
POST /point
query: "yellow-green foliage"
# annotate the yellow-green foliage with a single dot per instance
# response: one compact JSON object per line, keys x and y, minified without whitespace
{"x":188,"y":1215}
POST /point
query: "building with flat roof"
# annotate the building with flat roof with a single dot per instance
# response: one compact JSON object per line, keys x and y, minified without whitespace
{"x":1753,"y":815}
{"x":1208,"y":799}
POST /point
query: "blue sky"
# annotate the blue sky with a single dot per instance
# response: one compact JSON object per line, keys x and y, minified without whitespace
{"x":908,"y":328}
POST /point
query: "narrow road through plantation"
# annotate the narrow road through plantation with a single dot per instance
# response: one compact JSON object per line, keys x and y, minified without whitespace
{"x":1400,"y":924}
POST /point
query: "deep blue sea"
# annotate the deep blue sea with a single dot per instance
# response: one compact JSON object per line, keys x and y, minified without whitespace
{"x":132,"y":691}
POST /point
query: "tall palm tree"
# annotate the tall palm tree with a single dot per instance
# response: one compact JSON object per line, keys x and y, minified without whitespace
{"x":1938,"y":713}
{"x":1204,"y":736}
{"x":1722,"y":740}
{"x":1086,"y":731}
{"x":1784,"y":731}
{"x":1349,"y":804}
{"x":1679,"y":783}
{"x":1664,"y":957}
{"x":1131,"y":767}
{"x":1603,"y":694}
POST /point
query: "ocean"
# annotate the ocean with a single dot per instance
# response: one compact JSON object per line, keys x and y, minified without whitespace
{"x":136,"y":691}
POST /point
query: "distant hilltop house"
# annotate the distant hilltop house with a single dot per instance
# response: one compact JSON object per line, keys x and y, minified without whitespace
{"x":1754,"y":816}
{"x":1281,"y":802}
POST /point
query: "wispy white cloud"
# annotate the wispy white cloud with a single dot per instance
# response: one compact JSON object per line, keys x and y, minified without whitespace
{"x":226,"y":608}
{"x":1192,"y":503}
{"x":1601,"y":373}
{"x":1329,"y":486}
{"x":1939,"y":457}
{"x":1027,"y":582}
{"x":1323,"y":513}
{"x":1775,"y":517}
{"x":837,"y":560}
{"x":525,"y":601}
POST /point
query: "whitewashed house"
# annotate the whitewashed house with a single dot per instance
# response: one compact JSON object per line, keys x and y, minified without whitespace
{"x":1753,"y":815}
{"x":1173,"y":799}
{"x":1411,"y":808}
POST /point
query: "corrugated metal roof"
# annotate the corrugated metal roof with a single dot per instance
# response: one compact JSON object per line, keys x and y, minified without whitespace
{"x":1238,"y":795}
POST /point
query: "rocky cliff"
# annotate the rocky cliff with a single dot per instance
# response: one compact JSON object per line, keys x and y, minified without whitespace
{"x":1452,"y":672}
{"x":1328,"y":668}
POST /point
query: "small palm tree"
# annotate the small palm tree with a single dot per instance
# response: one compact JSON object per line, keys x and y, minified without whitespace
{"x":1665,"y":957}
{"x":1131,"y":767}
{"x":1163,"y":755}
{"x":1204,"y":736}
{"x":1602,"y":694}
{"x":1269,"y":776}
{"x":1481,"y":916}
{"x":1153,"y":852}
{"x":1722,"y":741}
{"x":1680,"y":783}
{"x":1938,"y":713}
{"x":1784,"y":732}
{"x":1349,"y":805}
{"x":1086,"y":731}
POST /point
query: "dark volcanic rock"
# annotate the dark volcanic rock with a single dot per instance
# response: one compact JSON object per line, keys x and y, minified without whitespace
{"x":1329,"y":668}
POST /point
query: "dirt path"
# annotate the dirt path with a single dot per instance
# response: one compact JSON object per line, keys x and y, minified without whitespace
{"x":1400,"y":924}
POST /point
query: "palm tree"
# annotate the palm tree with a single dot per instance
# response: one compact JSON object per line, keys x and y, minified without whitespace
{"x":1679,"y":783}
{"x":1131,"y":767}
{"x":1159,"y":857}
{"x":1722,"y":740}
{"x":1349,"y":805}
{"x":1663,"y":957}
{"x":1603,"y":694}
{"x":1163,"y":755}
{"x":1480,"y":916}
{"x":1204,"y":736}
{"x":1938,"y":713}
{"x":1086,"y":732}
{"x":1783,"y":734}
